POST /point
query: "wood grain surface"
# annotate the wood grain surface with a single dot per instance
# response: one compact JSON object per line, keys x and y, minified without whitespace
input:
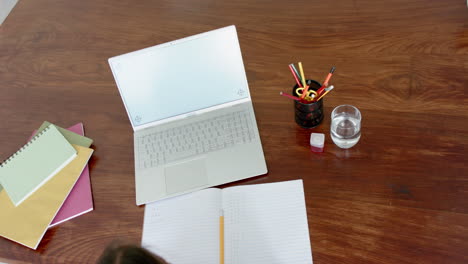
{"x":399,"y":196}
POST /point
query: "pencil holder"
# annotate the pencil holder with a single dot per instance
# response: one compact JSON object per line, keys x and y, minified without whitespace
{"x":308,"y":115}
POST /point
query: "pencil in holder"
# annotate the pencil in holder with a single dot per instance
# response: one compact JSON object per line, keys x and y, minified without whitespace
{"x":308,"y":114}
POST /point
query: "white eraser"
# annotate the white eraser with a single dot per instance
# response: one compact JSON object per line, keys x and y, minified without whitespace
{"x":317,"y":140}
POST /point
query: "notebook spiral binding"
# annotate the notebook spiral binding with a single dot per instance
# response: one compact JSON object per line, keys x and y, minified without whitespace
{"x":5,"y":162}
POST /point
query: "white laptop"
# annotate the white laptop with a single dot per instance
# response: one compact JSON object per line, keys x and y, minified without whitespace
{"x":190,"y":108}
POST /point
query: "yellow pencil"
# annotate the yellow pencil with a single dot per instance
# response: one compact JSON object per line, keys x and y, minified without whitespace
{"x":221,"y":239}
{"x":325,"y":93}
{"x":302,"y":75}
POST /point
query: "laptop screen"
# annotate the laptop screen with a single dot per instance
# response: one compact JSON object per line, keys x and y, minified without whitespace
{"x":182,"y":76}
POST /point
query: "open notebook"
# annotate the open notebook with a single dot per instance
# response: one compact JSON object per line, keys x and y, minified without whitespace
{"x":264,"y":223}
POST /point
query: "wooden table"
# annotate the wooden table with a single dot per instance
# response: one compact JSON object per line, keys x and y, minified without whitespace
{"x":399,"y":196}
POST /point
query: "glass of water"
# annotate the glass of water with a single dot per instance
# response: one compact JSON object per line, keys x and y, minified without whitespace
{"x":345,"y":126}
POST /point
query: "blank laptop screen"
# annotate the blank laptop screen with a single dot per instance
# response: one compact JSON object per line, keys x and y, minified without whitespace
{"x":182,"y":77}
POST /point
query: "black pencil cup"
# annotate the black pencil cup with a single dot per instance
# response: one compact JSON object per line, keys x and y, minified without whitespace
{"x":308,"y":115}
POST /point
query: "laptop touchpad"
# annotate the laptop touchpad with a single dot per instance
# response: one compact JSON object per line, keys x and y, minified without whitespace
{"x":185,"y":176}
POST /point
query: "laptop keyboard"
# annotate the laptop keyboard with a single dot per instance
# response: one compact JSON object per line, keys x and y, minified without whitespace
{"x":196,"y":138}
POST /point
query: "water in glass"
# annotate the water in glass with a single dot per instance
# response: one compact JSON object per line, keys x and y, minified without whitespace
{"x":345,"y":130}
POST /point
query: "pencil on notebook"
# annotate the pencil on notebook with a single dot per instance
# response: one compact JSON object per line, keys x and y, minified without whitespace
{"x":221,"y":239}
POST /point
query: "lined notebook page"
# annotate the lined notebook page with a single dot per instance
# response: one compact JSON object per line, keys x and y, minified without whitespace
{"x":184,"y":229}
{"x":266,"y":223}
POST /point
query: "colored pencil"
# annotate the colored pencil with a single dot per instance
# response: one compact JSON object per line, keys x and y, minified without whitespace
{"x":295,"y":76}
{"x":327,"y":79}
{"x":303,"y":80}
{"x":327,"y":90}
{"x":332,"y":70}
{"x":290,"y":96}
{"x":297,"y":73}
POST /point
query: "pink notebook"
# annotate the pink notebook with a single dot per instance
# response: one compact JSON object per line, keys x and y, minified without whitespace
{"x":80,"y":199}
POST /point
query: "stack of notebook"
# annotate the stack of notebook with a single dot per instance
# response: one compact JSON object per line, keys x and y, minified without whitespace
{"x":46,"y":182}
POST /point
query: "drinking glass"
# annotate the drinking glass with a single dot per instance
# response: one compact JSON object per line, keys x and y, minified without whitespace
{"x":345,"y":126}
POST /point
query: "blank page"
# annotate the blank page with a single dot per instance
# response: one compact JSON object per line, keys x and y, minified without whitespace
{"x":184,"y":229}
{"x":266,"y":223}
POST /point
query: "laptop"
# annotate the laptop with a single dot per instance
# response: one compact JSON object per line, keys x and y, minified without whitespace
{"x":189,"y":104}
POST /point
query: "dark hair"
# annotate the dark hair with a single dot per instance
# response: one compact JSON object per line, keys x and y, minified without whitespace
{"x":117,"y":253}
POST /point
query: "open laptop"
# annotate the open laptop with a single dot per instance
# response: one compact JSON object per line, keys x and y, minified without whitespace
{"x":190,"y":108}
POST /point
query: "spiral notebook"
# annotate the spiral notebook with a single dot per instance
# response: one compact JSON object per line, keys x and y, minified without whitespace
{"x":35,"y":163}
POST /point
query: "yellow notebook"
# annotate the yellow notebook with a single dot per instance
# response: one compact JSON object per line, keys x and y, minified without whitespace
{"x":27,"y":223}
